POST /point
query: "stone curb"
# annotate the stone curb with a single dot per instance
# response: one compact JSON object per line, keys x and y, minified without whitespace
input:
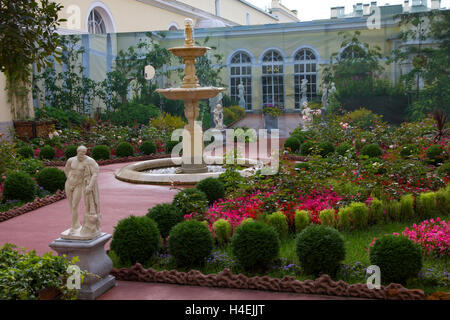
{"x":62,"y":163}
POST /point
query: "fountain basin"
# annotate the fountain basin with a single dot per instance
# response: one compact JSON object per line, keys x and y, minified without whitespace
{"x":136,"y":172}
{"x":192,"y":94}
{"x":190,"y":52}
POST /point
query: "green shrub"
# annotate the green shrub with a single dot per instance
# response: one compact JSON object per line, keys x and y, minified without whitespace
{"x":407,"y":207}
{"x":170,"y":145}
{"x":279,"y":222}
{"x":124,"y":149}
{"x":444,"y":170}
{"x":302,"y":220}
{"x":191,"y":200}
{"x":190,"y":242}
{"x":436,"y":154}
{"x":372,"y":150}
{"x":31,"y":166}
{"x":147,"y":147}
{"x":135,"y":239}
{"x":302,"y":136}
{"x":394,"y":210}
{"x":408,"y":150}
{"x":443,"y":200}
{"x":306,"y":148}
{"x":247,"y":220}
{"x":166,"y":216}
{"x":343,"y":149}
{"x":327,"y":217}
{"x":25,"y":152}
{"x":326,"y":148}
{"x":47,"y":153}
{"x":255,"y":245}
{"x":292,"y":143}
{"x":101,"y":152}
{"x":320,"y":249}
{"x":303,"y":165}
{"x":399,"y":258}
{"x":222,"y":230}
{"x":360,"y":214}
{"x":71,"y":151}
{"x":376,"y":212}
{"x":51,"y":179}
{"x":213,"y":188}
{"x":426,"y":205}
{"x":345,"y":218}
{"x":19,"y":186}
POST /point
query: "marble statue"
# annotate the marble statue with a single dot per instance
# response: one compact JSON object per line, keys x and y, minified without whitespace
{"x":333,"y":89}
{"x":213,"y":102}
{"x":82,"y":173}
{"x":218,"y":117}
{"x":325,"y":96}
{"x":304,"y":89}
{"x":306,"y":115}
{"x":241,"y":95}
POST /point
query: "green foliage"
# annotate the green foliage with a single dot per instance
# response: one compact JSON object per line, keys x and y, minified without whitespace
{"x":101,"y":152}
{"x":166,"y":216}
{"x":407,"y":207}
{"x":124,"y":149}
{"x":65,"y":118}
{"x":376,"y":212}
{"x":426,"y":205}
{"x":436,"y":154}
{"x":343,"y":149}
{"x":302,"y":220}
{"x":147,"y":147}
{"x":306,"y":148}
{"x":130,"y":114}
{"x":292,"y":143}
{"x":302,"y":136}
{"x":360,"y":214}
{"x":25,"y":152}
{"x":399,"y":258}
{"x":238,"y":111}
{"x":278,"y":221}
{"x":222,"y":230}
{"x":372,"y":150}
{"x":135,"y":239}
{"x":303,"y":165}
{"x":231,"y":179}
{"x":408,"y":150}
{"x":170,"y":145}
{"x":190,"y":242}
{"x":47,"y":153}
{"x":327,"y":217}
{"x":255,"y":245}
{"x":394,"y":210}
{"x":19,"y":186}
{"x":345,"y":218}
{"x":213,"y":188}
{"x":443,"y":200}
{"x":51,"y":179}
{"x":326,"y":148}
{"x":71,"y":151}
{"x":191,"y":200}
{"x":31,"y":166}
{"x":166,"y":124}
{"x":320,"y":250}
{"x":444,"y":169}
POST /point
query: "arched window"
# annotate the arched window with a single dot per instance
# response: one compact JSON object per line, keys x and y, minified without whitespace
{"x":352,"y":52}
{"x":241,"y":72}
{"x":96,"y":24}
{"x":305,"y":67}
{"x":272,"y":79}
{"x":99,"y":19}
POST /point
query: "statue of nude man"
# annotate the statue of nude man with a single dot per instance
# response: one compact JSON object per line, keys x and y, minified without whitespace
{"x":82,"y":172}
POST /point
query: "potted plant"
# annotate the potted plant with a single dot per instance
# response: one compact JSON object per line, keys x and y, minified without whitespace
{"x":271,"y":114}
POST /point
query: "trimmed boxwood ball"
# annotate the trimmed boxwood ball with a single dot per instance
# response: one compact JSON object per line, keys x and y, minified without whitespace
{"x":135,"y":239}
{"x":306,"y":148}
{"x":101,"y":152}
{"x":302,"y":220}
{"x":71,"y":151}
{"x":320,"y":250}
{"x":124,"y":149}
{"x":436,"y":154}
{"x":372,"y":150}
{"x":222,"y":230}
{"x":147,"y":147}
{"x":343,"y":149}
{"x":292,"y":143}
{"x":190,"y":242}
{"x":51,"y":179}
{"x":398,"y":257}
{"x":19,"y":186}
{"x":191,"y":200}
{"x":166,"y":216}
{"x":47,"y":153}
{"x":213,"y":188}
{"x":255,"y":245}
{"x":326,"y":148}
{"x":279,"y":222}
{"x":25,"y":152}
{"x":170,"y":145}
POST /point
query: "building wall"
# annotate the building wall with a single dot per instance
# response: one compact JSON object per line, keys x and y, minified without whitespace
{"x":5,"y":113}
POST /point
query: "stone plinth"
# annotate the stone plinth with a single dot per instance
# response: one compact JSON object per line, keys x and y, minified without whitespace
{"x":93,"y":259}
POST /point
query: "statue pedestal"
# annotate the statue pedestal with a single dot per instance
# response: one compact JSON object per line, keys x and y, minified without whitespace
{"x":93,"y":259}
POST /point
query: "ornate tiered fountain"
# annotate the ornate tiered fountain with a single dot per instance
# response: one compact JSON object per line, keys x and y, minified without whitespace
{"x":193,"y":167}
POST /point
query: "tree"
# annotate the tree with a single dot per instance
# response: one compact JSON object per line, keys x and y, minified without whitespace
{"x":27,"y":36}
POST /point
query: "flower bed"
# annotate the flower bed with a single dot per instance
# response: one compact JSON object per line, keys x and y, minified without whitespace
{"x":432,"y":235}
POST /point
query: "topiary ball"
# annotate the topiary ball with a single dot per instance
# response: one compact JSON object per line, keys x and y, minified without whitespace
{"x":190,"y":242}
{"x":213,"y":188}
{"x":255,"y":245}
{"x":170,"y":145}
{"x":147,"y":147}
{"x":436,"y":154}
{"x":398,"y":257}
{"x":51,"y":179}
{"x":372,"y":150}
{"x":301,"y":219}
{"x":166,"y":216}
{"x":306,"y":148}
{"x":191,"y":200}
{"x":19,"y":186}
{"x":135,"y":239}
{"x":222,"y":231}
{"x":32,"y":166}
{"x":343,"y":149}
{"x":326,"y":148}
{"x":292,"y":143}
{"x":320,"y":250}
{"x":124,"y":149}
{"x":101,"y":152}
{"x":70,"y":152}
{"x":47,"y":153}
{"x":279,"y":222}
{"x":25,"y":152}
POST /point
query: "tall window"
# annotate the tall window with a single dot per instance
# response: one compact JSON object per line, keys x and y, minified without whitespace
{"x":305,"y":67}
{"x":241,"y":71}
{"x":96,"y":24}
{"x":272,"y":79}
{"x":353,"y":52}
